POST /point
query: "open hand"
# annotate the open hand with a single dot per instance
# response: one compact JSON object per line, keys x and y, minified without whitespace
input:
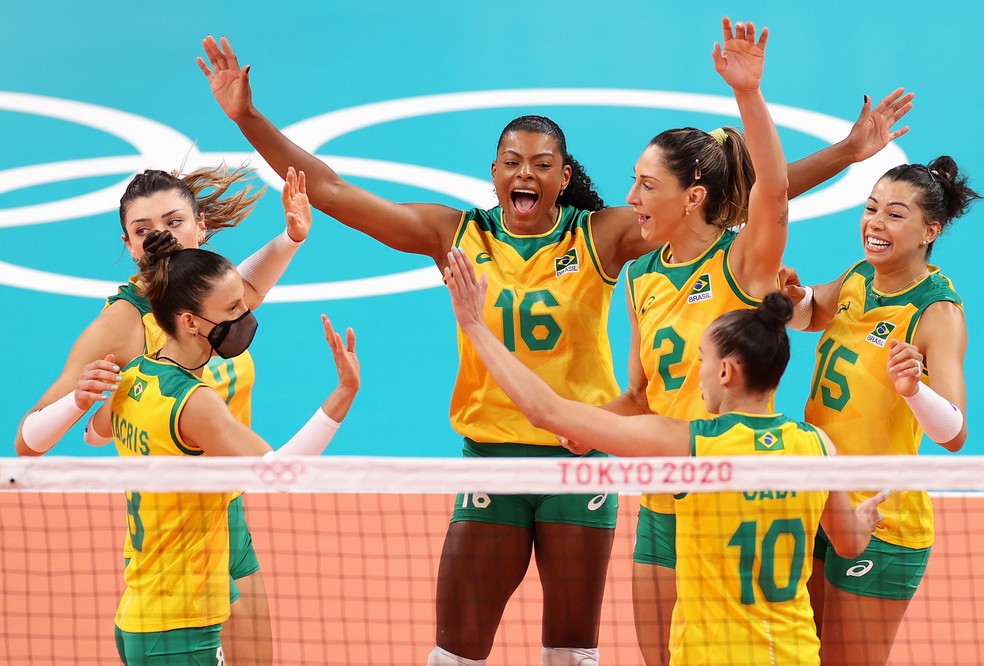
{"x":740,"y":60}
{"x":872,"y":131}
{"x":230,"y":83}
{"x":467,"y":290}
{"x":346,"y":361}
{"x":297,"y":207}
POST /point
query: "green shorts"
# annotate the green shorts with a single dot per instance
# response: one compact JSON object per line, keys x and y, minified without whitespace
{"x":655,"y":539}
{"x":196,"y":646}
{"x":883,"y":570}
{"x":599,"y":510}
{"x":242,"y":555}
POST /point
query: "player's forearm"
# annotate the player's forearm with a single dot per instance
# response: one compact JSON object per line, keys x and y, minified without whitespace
{"x":532,"y":395}
{"x":281,"y":153}
{"x":806,"y":173}
{"x":337,"y":405}
{"x":763,"y":144}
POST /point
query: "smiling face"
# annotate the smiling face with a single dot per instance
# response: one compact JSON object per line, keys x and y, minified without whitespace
{"x":894,"y":229}
{"x":166,"y":209}
{"x":529,"y":174}
{"x":657,"y":196}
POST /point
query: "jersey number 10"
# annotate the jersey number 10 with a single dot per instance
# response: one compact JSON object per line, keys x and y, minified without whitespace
{"x":745,"y":539}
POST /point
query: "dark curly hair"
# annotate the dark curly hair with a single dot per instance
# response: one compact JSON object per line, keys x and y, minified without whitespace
{"x":944,"y":192}
{"x":580,"y":191}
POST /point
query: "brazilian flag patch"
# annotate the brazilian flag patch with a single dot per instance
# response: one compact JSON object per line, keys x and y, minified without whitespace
{"x":879,"y":334}
{"x":701,"y":290}
{"x":768,"y":440}
{"x":137,"y":389}
{"x":567,"y":264}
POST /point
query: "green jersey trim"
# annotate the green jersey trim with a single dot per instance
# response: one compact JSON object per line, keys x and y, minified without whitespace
{"x":128,"y":292}
{"x":174,"y":383}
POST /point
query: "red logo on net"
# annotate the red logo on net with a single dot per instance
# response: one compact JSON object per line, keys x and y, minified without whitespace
{"x":277,"y":473}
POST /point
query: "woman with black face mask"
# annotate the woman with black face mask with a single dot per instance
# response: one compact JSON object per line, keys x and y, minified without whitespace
{"x":177,"y":578}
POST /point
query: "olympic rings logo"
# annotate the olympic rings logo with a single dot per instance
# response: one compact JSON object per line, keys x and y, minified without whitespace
{"x":159,"y":144}
{"x":278,"y":473}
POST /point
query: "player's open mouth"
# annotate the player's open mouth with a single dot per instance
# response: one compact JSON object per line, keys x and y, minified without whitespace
{"x":524,"y":200}
{"x":876,"y":244}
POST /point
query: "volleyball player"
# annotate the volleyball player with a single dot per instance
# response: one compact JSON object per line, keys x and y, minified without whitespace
{"x":192,"y":207}
{"x":550,"y":226}
{"x":724,"y":613}
{"x":177,"y":577}
{"x":894,"y":332}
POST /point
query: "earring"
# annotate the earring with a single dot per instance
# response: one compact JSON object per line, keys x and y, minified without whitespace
{"x":922,"y":242}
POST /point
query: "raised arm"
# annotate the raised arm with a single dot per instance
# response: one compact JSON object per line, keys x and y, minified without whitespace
{"x":425,"y":229}
{"x":758,"y":249}
{"x":207,"y":423}
{"x":871,"y":132}
{"x":591,"y":427}
{"x":263,"y":269}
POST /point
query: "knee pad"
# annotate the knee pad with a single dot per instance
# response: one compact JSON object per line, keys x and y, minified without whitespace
{"x":569,"y":657}
{"x":441,"y":657}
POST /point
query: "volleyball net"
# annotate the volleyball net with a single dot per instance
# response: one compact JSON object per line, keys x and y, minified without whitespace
{"x":349,"y":547}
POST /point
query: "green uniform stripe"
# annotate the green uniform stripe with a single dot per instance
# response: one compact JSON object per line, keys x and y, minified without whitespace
{"x":812,"y":428}
{"x":584,"y":224}
{"x":733,"y":283}
{"x":128,"y":292}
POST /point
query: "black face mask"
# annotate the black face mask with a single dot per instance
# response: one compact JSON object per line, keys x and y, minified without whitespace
{"x":231,"y":338}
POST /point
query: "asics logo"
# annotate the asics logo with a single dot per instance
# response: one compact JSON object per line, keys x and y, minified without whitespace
{"x":860,"y":569}
{"x":597,"y":501}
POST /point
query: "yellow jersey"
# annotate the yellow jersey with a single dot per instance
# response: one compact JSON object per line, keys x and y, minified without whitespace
{"x":232,"y":378}
{"x":548,"y":301}
{"x":854,"y":401}
{"x":178,"y":571}
{"x":743,"y":558}
{"x":673,"y":304}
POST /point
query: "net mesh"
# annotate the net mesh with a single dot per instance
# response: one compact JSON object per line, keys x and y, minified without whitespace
{"x":349,"y":547}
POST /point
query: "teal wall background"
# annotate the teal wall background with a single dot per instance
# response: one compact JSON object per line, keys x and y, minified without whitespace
{"x":313,"y":58}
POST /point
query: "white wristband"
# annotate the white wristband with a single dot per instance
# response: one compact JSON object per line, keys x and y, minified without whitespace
{"x":940,"y":419}
{"x":93,"y":438}
{"x":264,"y":267}
{"x":803,"y":312}
{"x":312,"y":439}
{"x":44,"y":427}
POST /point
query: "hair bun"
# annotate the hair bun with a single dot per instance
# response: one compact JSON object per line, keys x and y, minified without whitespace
{"x":159,"y":245}
{"x":776,"y":309}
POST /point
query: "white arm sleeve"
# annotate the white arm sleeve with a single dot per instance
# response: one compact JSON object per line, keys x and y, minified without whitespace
{"x":264,"y":267}
{"x":803,"y":312}
{"x":940,"y":419}
{"x":93,"y":438}
{"x":44,"y":427}
{"x":312,"y":439}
